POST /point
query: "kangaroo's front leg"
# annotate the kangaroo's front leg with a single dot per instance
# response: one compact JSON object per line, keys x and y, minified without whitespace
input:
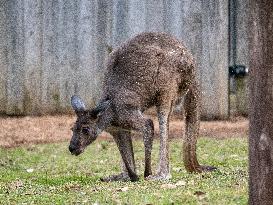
{"x":124,"y":142}
{"x":134,"y":119}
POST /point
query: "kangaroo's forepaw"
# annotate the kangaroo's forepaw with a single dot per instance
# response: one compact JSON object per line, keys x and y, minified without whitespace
{"x":117,"y":177}
{"x":159,"y":177}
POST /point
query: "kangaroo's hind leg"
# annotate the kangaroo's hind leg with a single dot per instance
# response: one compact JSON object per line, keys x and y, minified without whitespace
{"x":164,"y":109}
{"x":148,"y":136}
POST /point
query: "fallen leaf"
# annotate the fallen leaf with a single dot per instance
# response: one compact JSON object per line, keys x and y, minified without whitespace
{"x":30,"y":170}
{"x":75,"y":187}
{"x":177,"y":169}
{"x":168,"y":186}
{"x":123,"y":189}
{"x":180,"y":183}
{"x":198,"y":193}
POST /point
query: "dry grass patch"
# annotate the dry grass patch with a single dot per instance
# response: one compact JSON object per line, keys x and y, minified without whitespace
{"x":17,"y":131}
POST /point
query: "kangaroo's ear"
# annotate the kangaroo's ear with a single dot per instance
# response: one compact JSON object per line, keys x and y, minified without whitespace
{"x":99,"y":108}
{"x":77,"y":104}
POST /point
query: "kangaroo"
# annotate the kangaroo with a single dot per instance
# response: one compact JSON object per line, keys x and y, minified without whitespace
{"x":151,"y":69}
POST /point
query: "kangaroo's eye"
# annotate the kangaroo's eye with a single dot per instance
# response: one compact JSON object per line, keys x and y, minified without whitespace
{"x":85,"y":130}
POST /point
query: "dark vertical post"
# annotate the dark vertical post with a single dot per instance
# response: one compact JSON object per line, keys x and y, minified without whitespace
{"x":261,"y":103}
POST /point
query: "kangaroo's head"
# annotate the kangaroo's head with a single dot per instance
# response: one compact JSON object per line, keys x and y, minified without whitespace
{"x":86,"y":128}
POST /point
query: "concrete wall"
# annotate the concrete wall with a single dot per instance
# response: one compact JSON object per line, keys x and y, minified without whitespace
{"x":52,"y":49}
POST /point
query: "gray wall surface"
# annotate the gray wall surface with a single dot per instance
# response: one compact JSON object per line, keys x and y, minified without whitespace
{"x":52,"y":49}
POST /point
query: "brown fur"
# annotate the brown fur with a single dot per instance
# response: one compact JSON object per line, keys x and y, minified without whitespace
{"x":151,"y":69}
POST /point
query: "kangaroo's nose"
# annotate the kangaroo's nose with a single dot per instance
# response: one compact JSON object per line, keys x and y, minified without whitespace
{"x":71,"y":148}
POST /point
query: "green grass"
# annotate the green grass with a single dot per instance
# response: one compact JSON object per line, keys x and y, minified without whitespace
{"x":60,"y":178}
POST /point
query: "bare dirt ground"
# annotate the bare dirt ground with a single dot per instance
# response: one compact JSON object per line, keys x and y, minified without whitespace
{"x":16,"y":131}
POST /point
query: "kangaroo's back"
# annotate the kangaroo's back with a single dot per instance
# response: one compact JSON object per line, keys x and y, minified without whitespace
{"x":146,"y":65}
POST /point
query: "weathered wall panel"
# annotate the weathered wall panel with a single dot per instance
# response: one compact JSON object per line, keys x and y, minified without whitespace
{"x":137,"y":9}
{"x":89,"y":50}
{"x":154,"y":15}
{"x":32,"y":58}
{"x":15,"y":58}
{"x":239,"y":31}
{"x":104,"y":43}
{"x":214,"y":62}
{"x":3,"y":57}
{"x":53,"y":47}
{"x":58,"y":48}
{"x":120,"y":22}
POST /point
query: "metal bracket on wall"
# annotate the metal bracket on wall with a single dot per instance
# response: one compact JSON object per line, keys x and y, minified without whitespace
{"x":238,"y":71}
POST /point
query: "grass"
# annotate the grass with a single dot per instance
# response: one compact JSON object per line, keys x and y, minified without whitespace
{"x":48,"y":174}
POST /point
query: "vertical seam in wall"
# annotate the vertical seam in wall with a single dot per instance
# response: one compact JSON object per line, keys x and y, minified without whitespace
{"x":5,"y":57}
{"x":23,"y":89}
{"x":229,"y":52}
{"x":41,"y":45}
{"x":76,"y":45}
{"x":234,"y":36}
